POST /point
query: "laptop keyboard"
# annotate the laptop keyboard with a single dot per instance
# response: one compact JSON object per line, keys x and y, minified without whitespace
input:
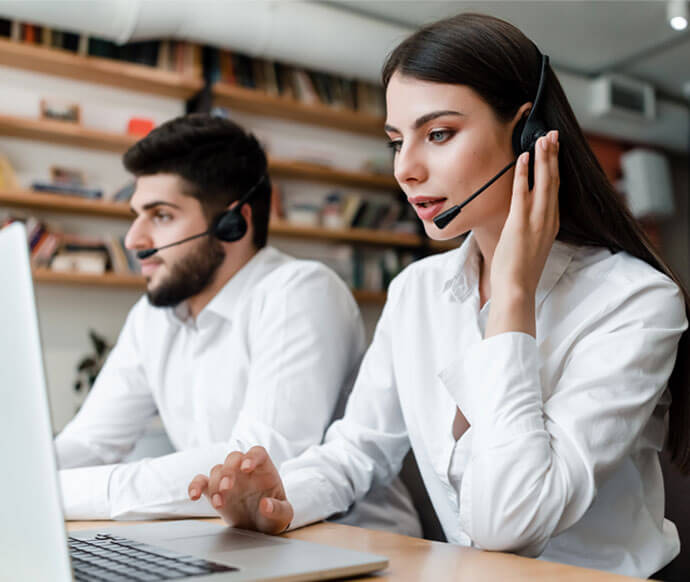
{"x":111,"y":558}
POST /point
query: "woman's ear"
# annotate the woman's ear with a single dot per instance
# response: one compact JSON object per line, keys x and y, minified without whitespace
{"x":524,"y":110}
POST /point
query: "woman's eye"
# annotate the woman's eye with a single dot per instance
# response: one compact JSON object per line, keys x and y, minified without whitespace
{"x":440,"y":135}
{"x":395,"y":145}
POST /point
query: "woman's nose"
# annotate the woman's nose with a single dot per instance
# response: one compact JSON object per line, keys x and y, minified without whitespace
{"x":409,"y":168}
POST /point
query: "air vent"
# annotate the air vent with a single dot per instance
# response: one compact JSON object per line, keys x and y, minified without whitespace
{"x":623,"y":97}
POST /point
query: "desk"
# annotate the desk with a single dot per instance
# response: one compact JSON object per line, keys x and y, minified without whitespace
{"x":417,"y":560}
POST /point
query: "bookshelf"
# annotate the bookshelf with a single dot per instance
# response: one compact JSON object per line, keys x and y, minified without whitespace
{"x":252,"y":101}
{"x":105,"y":209}
{"x":146,"y":79}
{"x":76,"y":135}
{"x":63,"y":63}
{"x":137,"y":282}
{"x":64,"y":133}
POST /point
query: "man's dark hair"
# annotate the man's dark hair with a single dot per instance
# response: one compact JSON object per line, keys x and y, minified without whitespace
{"x":217,"y":160}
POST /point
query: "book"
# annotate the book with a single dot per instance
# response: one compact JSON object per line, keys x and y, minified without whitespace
{"x":350,"y":208}
{"x":306,"y":93}
{"x":117,"y":255}
{"x":5,"y":28}
{"x":80,"y":262}
{"x":68,"y":189}
{"x":8,"y":179}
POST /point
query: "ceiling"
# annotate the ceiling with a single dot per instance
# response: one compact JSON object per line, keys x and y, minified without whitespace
{"x":588,"y":37}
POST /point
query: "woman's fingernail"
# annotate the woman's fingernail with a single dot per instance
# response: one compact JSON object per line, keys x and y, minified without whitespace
{"x":246,"y":464}
{"x":217,"y":500}
{"x":269,"y":506}
{"x":543,"y":143}
{"x":193,"y":492}
{"x":224,"y":483}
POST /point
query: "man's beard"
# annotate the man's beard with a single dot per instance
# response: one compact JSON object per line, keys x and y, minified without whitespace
{"x":190,"y":276}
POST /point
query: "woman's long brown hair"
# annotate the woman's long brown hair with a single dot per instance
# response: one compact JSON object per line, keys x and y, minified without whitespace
{"x":502,"y":65}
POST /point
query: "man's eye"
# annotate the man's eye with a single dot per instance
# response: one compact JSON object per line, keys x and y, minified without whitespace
{"x":440,"y":135}
{"x":395,"y":145}
{"x":162,"y":217}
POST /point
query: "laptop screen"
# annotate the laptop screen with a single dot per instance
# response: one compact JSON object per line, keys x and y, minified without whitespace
{"x":33,"y":542}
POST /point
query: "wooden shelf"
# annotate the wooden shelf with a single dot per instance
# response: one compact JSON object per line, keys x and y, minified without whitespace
{"x":317,"y":173}
{"x":65,"y":133}
{"x":65,"y":204}
{"x":76,"y":205}
{"x":122,"y":281}
{"x":137,"y":282}
{"x":253,"y":101}
{"x":373,"y":297}
{"x":99,"y":70}
{"x":79,"y":136}
{"x":353,"y":235}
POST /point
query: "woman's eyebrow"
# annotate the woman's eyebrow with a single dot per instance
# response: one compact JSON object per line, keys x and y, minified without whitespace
{"x":426,"y":118}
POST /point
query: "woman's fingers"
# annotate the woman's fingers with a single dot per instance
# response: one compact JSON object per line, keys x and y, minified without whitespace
{"x":197,"y":487}
{"x":518,"y":202}
{"x":546,"y":182}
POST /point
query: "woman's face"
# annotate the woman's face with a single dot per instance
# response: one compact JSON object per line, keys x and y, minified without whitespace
{"x":448,"y":143}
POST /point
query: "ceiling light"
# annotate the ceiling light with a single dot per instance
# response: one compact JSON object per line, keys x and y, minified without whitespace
{"x":677,"y":14}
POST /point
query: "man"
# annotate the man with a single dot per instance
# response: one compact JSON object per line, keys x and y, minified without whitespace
{"x":234,"y":344}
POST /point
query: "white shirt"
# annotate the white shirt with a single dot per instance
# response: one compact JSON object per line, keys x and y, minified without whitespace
{"x":561,"y":457}
{"x":263,"y":364}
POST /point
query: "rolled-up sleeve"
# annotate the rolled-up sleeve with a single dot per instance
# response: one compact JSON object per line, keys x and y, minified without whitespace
{"x":539,"y":452}
{"x":365,"y":448}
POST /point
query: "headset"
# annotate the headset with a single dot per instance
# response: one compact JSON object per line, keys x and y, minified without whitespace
{"x":230,"y":226}
{"x":525,"y":135}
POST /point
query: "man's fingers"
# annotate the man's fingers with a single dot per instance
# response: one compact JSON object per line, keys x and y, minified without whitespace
{"x":275,"y":515}
{"x":197,"y":487}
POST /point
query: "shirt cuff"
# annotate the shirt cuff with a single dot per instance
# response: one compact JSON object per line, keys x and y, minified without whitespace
{"x":85,"y":492}
{"x":306,"y":492}
{"x":496,"y":385}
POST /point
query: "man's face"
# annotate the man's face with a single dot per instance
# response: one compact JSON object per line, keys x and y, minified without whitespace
{"x":165,"y":215}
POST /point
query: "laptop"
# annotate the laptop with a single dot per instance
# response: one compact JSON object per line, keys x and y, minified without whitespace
{"x":34,"y":544}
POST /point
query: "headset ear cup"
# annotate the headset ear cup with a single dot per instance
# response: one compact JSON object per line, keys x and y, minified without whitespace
{"x":230,"y":226}
{"x":517,"y":136}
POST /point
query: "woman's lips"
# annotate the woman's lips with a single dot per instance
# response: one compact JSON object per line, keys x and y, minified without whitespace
{"x":427,"y":207}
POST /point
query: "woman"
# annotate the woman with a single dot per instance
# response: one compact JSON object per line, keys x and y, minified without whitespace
{"x":531,"y":369}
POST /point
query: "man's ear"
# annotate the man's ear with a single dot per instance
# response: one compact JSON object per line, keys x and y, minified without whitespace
{"x":245,"y":211}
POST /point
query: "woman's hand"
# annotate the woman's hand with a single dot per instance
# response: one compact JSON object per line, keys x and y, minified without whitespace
{"x":247,"y":492}
{"x":525,"y":242}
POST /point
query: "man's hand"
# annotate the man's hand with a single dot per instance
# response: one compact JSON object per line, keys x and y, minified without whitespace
{"x":247,"y":492}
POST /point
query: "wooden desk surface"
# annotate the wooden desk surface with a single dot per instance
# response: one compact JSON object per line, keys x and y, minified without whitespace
{"x":416,"y":560}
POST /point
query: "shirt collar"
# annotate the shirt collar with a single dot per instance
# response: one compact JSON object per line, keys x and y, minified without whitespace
{"x":225,"y":302}
{"x":461,"y":271}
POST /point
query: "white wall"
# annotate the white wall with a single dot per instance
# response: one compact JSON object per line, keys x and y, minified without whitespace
{"x":66,"y":313}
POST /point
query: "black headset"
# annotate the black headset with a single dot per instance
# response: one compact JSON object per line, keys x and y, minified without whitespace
{"x":230,"y":226}
{"x":525,"y":135}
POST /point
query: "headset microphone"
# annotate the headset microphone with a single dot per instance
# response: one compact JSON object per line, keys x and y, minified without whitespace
{"x":230,"y":226}
{"x":150,"y":252}
{"x":525,"y":136}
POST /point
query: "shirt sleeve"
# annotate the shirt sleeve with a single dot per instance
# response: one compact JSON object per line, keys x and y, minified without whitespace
{"x":365,"y":448}
{"x":539,"y":453}
{"x":116,"y":411}
{"x":299,"y":364}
